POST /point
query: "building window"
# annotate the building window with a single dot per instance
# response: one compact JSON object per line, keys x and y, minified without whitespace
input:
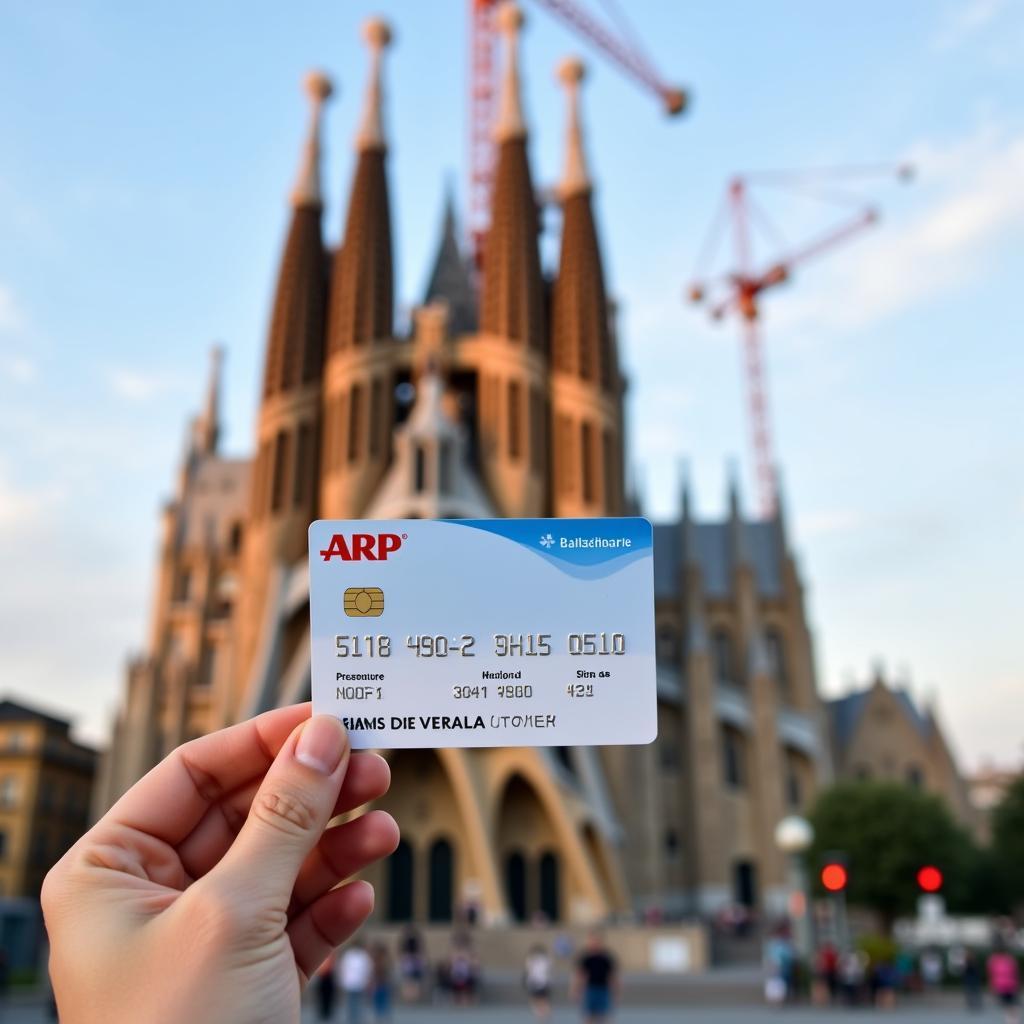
{"x":666,"y":647}
{"x":279,"y":472}
{"x":3,"y":845}
{"x":566,"y":477}
{"x":776,"y":650}
{"x":303,"y":467}
{"x":515,"y":420}
{"x":376,"y":416}
{"x":9,"y":789}
{"x":915,"y":777}
{"x":670,"y":758}
{"x":862,"y":773}
{"x":355,"y":423}
{"x":515,"y":885}
{"x":724,"y":655}
{"x":183,"y":585}
{"x":445,"y":459}
{"x":671,"y":845}
{"x":550,"y":890}
{"x":733,"y":768}
{"x":794,"y":788}
{"x":235,"y":539}
{"x":419,"y":469}
{"x":441,"y":868}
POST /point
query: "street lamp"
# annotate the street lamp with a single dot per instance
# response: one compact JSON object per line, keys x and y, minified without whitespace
{"x":793,"y":836}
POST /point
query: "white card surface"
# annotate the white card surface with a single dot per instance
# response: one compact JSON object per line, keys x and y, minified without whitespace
{"x":482,"y":633}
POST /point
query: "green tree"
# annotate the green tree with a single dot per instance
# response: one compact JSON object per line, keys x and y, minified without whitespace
{"x":887,"y":832}
{"x":1008,"y":843}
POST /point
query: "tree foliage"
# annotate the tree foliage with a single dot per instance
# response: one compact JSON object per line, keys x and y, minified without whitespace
{"x":887,"y":832}
{"x":1008,"y":842}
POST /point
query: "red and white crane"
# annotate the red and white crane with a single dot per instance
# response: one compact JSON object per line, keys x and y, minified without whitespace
{"x":620,"y":45}
{"x":740,"y":288}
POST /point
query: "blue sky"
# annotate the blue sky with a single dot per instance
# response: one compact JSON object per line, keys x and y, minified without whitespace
{"x":147,"y":153}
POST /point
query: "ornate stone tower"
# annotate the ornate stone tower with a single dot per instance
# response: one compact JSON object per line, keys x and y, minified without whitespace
{"x":509,"y":354}
{"x":283,"y":495}
{"x":358,"y":375}
{"x":586,"y":390}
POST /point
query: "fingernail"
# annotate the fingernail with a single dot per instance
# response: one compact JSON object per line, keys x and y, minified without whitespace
{"x":321,"y":744}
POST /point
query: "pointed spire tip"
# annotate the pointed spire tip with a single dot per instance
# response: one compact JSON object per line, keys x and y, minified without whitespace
{"x":510,"y":123}
{"x":570,"y":72}
{"x":378,"y":37}
{"x":319,"y":89}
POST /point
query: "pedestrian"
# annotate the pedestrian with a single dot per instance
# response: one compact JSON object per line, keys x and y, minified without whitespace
{"x":972,"y":980}
{"x":826,"y":974}
{"x":1004,"y":980}
{"x":537,"y":980}
{"x":411,"y":964}
{"x":780,"y":967}
{"x":463,"y":970}
{"x":596,"y":982}
{"x":325,"y":988}
{"x":207,"y":893}
{"x":381,"y":982}
{"x":852,"y":968}
{"x":354,"y":974}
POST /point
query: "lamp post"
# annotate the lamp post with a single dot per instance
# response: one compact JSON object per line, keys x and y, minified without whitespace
{"x":793,"y":836}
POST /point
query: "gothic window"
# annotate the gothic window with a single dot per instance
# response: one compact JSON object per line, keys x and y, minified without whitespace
{"x":724,"y":657}
{"x":279,"y":471}
{"x":776,"y":650}
{"x":587,"y":461}
{"x":376,"y":416}
{"x":515,"y":885}
{"x":235,"y":538}
{"x":733,"y":767}
{"x":550,"y":894}
{"x":564,"y":455}
{"x":183,"y":585}
{"x":442,"y":880}
{"x":303,"y":457}
{"x":446,"y":457}
{"x":915,"y":777}
{"x":515,"y":420}
{"x":671,"y":845}
{"x":794,"y":787}
{"x":667,"y":648}
{"x":355,"y":423}
{"x":400,"y":883}
{"x":419,"y":469}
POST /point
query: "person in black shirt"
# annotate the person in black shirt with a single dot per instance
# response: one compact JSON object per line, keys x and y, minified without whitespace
{"x":596,"y":983}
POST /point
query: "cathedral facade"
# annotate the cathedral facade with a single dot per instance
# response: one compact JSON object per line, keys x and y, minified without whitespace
{"x":505,"y":398}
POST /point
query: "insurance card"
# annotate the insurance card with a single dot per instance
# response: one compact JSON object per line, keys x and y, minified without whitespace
{"x":484,"y":632}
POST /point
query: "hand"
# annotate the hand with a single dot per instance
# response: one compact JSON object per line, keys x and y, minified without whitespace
{"x":206,"y":895}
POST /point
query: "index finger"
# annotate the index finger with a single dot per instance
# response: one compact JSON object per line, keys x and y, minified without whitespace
{"x":171,"y":799}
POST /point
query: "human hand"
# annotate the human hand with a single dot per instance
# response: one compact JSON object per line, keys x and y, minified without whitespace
{"x":206,"y":894}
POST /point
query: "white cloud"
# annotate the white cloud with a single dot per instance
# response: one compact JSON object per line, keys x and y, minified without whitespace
{"x":963,"y":19}
{"x":11,"y":317}
{"x":974,"y":206}
{"x":134,"y":386}
{"x":17,"y":368}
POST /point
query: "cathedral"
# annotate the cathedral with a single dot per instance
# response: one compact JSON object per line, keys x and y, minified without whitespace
{"x":503,"y":398}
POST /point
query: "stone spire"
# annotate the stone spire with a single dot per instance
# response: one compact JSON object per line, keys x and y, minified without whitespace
{"x":512,"y":298}
{"x":377,"y":34}
{"x":362,"y":296}
{"x":307,"y":185}
{"x":581,"y":335}
{"x":294,"y":354}
{"x":510,"y":123}
{"x":574,"y":174}
{"x":208,"y":425}
{"x":450,"y":279}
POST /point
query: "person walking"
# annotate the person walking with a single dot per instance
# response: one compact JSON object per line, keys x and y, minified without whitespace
{"x":596,"y":982}
{"x":381,"y":982}
{"x":537,"y":980}
{"x":325,"y":988}
{"x":354,"y":974}
{"x":1004,"y":981}
{"x":972,"y":980}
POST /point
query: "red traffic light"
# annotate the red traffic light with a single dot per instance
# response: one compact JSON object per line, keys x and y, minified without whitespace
{"x":929,"y":878}
{"x":834,"y":877}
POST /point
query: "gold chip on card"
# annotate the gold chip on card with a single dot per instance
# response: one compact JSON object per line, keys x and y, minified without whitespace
{"x":364,"y":602}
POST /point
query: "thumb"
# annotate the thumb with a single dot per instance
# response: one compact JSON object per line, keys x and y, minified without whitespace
{"x":288,"y":814}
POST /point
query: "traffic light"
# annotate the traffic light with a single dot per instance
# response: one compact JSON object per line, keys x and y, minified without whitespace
{"x":834,"y":875}
{"x":929,"y":878}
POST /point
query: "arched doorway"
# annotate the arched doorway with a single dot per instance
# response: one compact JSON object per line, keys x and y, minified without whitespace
{"x":441,"y":865}
{"x":515,"y":885}
{"x":400,"y":883}
{"x":550,"y":902}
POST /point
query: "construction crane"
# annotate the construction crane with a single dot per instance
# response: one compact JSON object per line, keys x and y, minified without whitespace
{"x":739,"y":290}
{"x":620,"y":45}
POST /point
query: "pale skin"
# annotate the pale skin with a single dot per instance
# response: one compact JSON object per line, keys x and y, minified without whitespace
{"x":208,"y":894}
